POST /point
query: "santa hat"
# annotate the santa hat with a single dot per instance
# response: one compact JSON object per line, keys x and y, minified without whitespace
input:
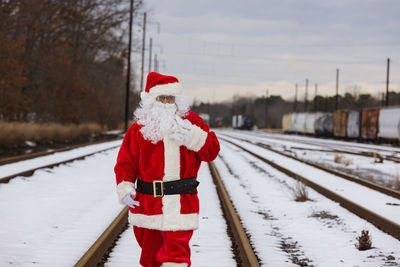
{"x":158,"y":84}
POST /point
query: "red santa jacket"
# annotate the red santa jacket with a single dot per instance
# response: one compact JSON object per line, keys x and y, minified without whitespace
{"x":167,"y":161}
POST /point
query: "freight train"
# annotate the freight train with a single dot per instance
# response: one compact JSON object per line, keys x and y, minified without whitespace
{"x":372,"y":124}
{"x":243,"y":122}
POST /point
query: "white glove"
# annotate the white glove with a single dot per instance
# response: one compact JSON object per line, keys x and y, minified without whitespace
{"x":128,"y":199}
{"x":182,"y":131}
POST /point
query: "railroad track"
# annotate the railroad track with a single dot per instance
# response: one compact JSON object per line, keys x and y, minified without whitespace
{"x":374,"y":186}
{"x":244,"y":252}
{"x":379,"y":153}
{"x":14,"y":159}
{"x":389,"y":226}
{"x":29,"y":171}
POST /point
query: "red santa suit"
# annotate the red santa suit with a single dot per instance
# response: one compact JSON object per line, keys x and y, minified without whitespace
{"x":165,"y":160}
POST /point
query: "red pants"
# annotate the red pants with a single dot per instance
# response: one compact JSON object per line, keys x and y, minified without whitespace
{"x":160,"y":247}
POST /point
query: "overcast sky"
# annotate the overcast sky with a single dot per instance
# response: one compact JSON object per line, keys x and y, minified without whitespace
{"x":218,"y":48}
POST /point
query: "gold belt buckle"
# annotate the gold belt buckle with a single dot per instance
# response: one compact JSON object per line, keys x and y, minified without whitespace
{"x":161,"y":188}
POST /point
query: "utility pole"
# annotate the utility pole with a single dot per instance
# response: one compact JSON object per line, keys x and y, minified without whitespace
{"x":337,"y":90}
{"x":387,"y":82}
{"x":155,"y":63}
{"x":266,"y":109}
{"x":151,"y":46}
{"x":305,"y":101}
{"x":295,"y":100}
{"x":315,"y":97}
{"x":128,"y":74}
{"x":143,"y":47}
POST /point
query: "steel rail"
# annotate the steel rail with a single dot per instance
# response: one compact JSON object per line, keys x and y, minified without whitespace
{"x":95,"y":254}
{"x":246,"y":252}
{"x":371,"y":185}
{"x":14,"y":159}
{"x":380,"y":222}
{"x":30,"y":172}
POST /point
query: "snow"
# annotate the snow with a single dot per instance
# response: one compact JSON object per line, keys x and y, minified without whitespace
{"x":264,"y":200}
{"x":386,"y":173}
{"x":53,"y":217}
{"x":13,"y":168}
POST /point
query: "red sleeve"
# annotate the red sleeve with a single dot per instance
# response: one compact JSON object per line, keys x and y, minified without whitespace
{"x":126,"y":169}
{"x":205,"y":142}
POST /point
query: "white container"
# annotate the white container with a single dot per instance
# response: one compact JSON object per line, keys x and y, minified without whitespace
{"x":300,"y":123}
{"x":353,"y":124}
{"x":389,"y":123}
{"x":310,"y":120}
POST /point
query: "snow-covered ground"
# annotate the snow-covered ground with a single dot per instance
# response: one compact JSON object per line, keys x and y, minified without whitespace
{"x":317,"y":232}
{"x":53,"y":217}
{"x":386,"y":173}
{"x":17,"y":167}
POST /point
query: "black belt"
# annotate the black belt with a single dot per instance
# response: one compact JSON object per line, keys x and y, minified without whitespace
{"x":160,"y":188}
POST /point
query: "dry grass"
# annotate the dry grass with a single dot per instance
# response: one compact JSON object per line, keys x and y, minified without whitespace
{"x":16,"y":133}
{"x":300,"y":193}
{"x":340,"y":159}
{"x":395,"y":184}
{"x":364,"y":241}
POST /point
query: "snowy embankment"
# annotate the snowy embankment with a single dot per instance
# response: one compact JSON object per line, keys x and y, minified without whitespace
{"x":53,"y":217}
{"x":368,"y":198}
{"x":283,"y":232}
{"x":17,"y":167}
{"x":386,"y":173}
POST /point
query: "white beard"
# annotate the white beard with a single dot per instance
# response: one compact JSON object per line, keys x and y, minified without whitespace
{"x":157,"y":121}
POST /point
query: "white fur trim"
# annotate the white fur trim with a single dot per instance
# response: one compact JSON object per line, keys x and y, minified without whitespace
{"x":157,"y":222}
{"x":163,"y":89}
{"x":199,"y":138}
{"x":173,"y":264}
{"x":123,"y":189}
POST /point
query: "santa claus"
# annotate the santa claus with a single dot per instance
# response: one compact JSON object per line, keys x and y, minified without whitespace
{"x":156,"y":171}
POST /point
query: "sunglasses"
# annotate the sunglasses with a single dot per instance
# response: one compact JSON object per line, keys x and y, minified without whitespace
{"x":169,"y":98}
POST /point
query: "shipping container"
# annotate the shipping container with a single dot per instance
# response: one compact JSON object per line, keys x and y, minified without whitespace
{"x":389,"y":123}
{"x":369,"y":123}
{"x":353,"y":124}
{"x":286,"y":122}
{"x":340,"y":123}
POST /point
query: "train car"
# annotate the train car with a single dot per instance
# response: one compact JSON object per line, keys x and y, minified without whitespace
{"x":319,"y":125}
{"x":286,"y":122}
{"x":243,"y":122}
{"x":369,"y":123}
{"x":300,"y":123}
{"x":292,"y":126}
{"x":237,"y":121}
{"x":328,"y":125}
{"x":353,"y":124}
{"x":340,"y":123}
{"x":389,"y":123}
{"x":310,"y":121}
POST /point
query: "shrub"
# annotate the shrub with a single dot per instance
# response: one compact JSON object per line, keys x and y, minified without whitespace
{"x":364,"y":241}
{"x":300,"y":192}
